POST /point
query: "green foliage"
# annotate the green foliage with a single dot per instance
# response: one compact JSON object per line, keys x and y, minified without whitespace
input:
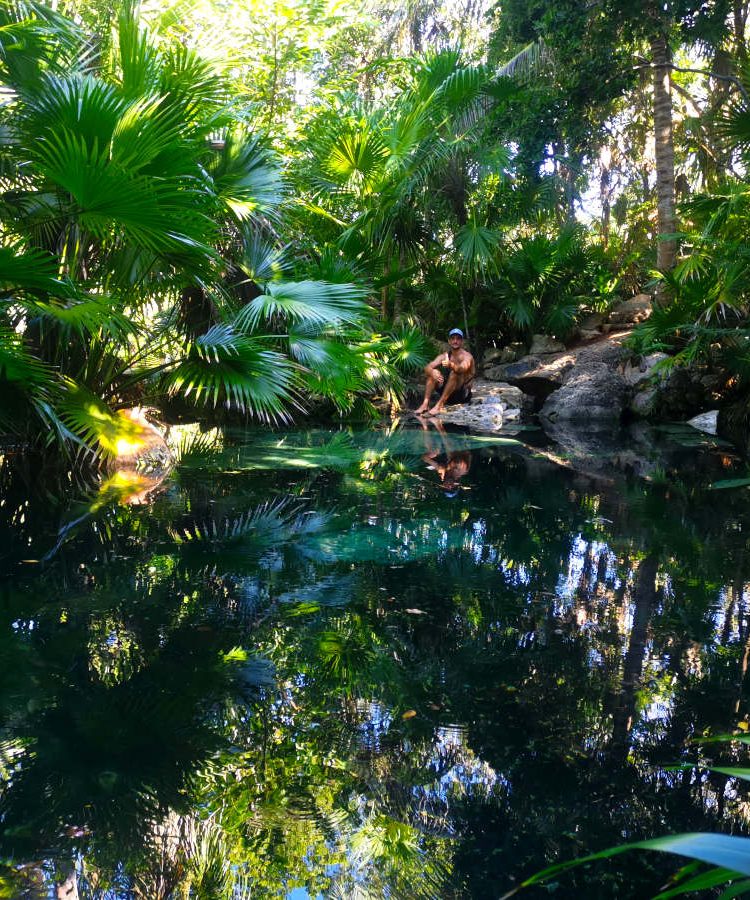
{"x":545,"y":283}
{"x":139,"y":259}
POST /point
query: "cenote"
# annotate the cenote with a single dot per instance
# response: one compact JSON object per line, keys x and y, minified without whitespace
{"x":376,"y":663}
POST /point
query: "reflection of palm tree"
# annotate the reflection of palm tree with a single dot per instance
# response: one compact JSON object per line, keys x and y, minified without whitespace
{"x":644,"y":601}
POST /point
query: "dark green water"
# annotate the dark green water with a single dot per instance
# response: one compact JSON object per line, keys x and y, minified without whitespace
{"x":372,"y":665}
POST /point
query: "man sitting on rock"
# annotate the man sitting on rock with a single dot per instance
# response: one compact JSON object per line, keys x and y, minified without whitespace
{"x":455,"y":383}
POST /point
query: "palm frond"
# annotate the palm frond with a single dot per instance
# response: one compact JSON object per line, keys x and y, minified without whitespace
{"x":86,"y":316}
{"x":100,"y":428}
{"x":81,"y":104}
{"x":29,"y":269}
{"x":355,"y":157}
{"x":476,"y":245}
{"x":246,"y":176}
{"x":139,"y":60}
{"x":317,"y":302}
{"x":408,"y":348}
{"x":253,"y":380}
{"x":17,"y":363}
{"x":35,"y":39}
{"x":529,"y":61}
{"x":147,"y":135}
{"x":152,"y":213}
{"x":192,"y":85}
{"x":261,"y":260}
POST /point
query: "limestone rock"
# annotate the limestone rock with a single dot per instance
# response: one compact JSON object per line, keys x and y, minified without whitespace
{"x":681,"y":395}
{"x":609,"y":353}
{"x":506,"y":393}
{"x":593,"y":393}
{"x":635,"y":310}
{"x":706,"y":421}
{"x":498,"y":355}
{"x":642,"y":403}
{"x":635,"y":373}
{"x":494,"y":355}
{"x":543,"y":343}
{"x":511,"y":371}
{"x":492,"y":408}
{"x":592,"y":322}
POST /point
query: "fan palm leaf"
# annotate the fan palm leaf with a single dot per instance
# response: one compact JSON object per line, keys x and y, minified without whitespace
{"x":35,"y":39}
{"x":355,"y":158}
{"x":477,"y":245}
{"x":152,"y":214}
{"x":315,"y":302}
{"x":95,"y":424}
{"x":138,"y":59}
{"x":90,"y":316}
{"x":261,"y":260}
{"x":246,"y":177}
{"x":248,"y":377}
{"x":79,"y":103}
{"x":29,"y":269}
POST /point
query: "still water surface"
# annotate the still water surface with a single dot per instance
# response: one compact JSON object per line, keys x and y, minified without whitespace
{"x":371,"y":664}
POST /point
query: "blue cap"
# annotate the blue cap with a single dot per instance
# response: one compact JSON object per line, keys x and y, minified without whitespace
{"x":455,"y":331}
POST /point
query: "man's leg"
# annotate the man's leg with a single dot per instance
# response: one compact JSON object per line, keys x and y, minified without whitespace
{"x":453,"y":383}
{"x":429,"y":388}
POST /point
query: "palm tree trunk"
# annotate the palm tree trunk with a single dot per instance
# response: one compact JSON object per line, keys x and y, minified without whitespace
{"x":605,"y":194}
{"x":666,"y":249}
{"x":739,"y":22}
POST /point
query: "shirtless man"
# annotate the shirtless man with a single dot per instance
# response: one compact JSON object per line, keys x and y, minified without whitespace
{"x":460,"y":367}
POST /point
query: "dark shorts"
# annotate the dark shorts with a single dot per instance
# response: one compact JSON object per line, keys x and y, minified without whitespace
{"x":462,"y":395}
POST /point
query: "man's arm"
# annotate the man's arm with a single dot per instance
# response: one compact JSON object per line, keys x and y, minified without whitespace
{"x":436,"y":363}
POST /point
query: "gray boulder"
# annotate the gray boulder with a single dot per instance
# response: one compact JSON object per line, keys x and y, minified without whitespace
{"x":682,"y":394}
{"x":494,"y":356}
{"x":592,"y":322}
{"x":511,"y":371}
{"x":642,"y":403}
{"x":591,"y":393}
{"x":542,"y":344}
{"x":636,"y":372}
{"x":632,"y":311}
{"x":493,"y":407}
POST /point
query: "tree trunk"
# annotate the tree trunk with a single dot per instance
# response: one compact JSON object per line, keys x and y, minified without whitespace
{"x":739,"y":22}
{"x":666,"y":249}
{"x":605,"y":192}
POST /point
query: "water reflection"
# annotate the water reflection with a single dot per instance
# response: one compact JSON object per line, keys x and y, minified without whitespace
{"x":443,"y":455}
{"x":325,"y":676}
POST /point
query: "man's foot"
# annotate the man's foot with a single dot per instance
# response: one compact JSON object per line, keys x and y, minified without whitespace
{"x":435,"y":411}
{"x":421,"y":410}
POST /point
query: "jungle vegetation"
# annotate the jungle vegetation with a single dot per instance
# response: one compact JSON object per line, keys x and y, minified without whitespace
{"x":257,"y":209}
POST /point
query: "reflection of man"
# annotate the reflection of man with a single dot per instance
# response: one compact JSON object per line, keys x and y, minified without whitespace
{"x":450,"y":464}
{"x":458,"y":366}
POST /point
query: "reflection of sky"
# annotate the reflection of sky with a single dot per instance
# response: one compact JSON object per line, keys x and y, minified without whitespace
{"x":469,"y":771}
{"x":376,"y":719}
{"x":568,"y":584}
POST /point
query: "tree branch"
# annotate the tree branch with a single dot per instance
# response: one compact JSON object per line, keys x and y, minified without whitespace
{"x":728,"y":78}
